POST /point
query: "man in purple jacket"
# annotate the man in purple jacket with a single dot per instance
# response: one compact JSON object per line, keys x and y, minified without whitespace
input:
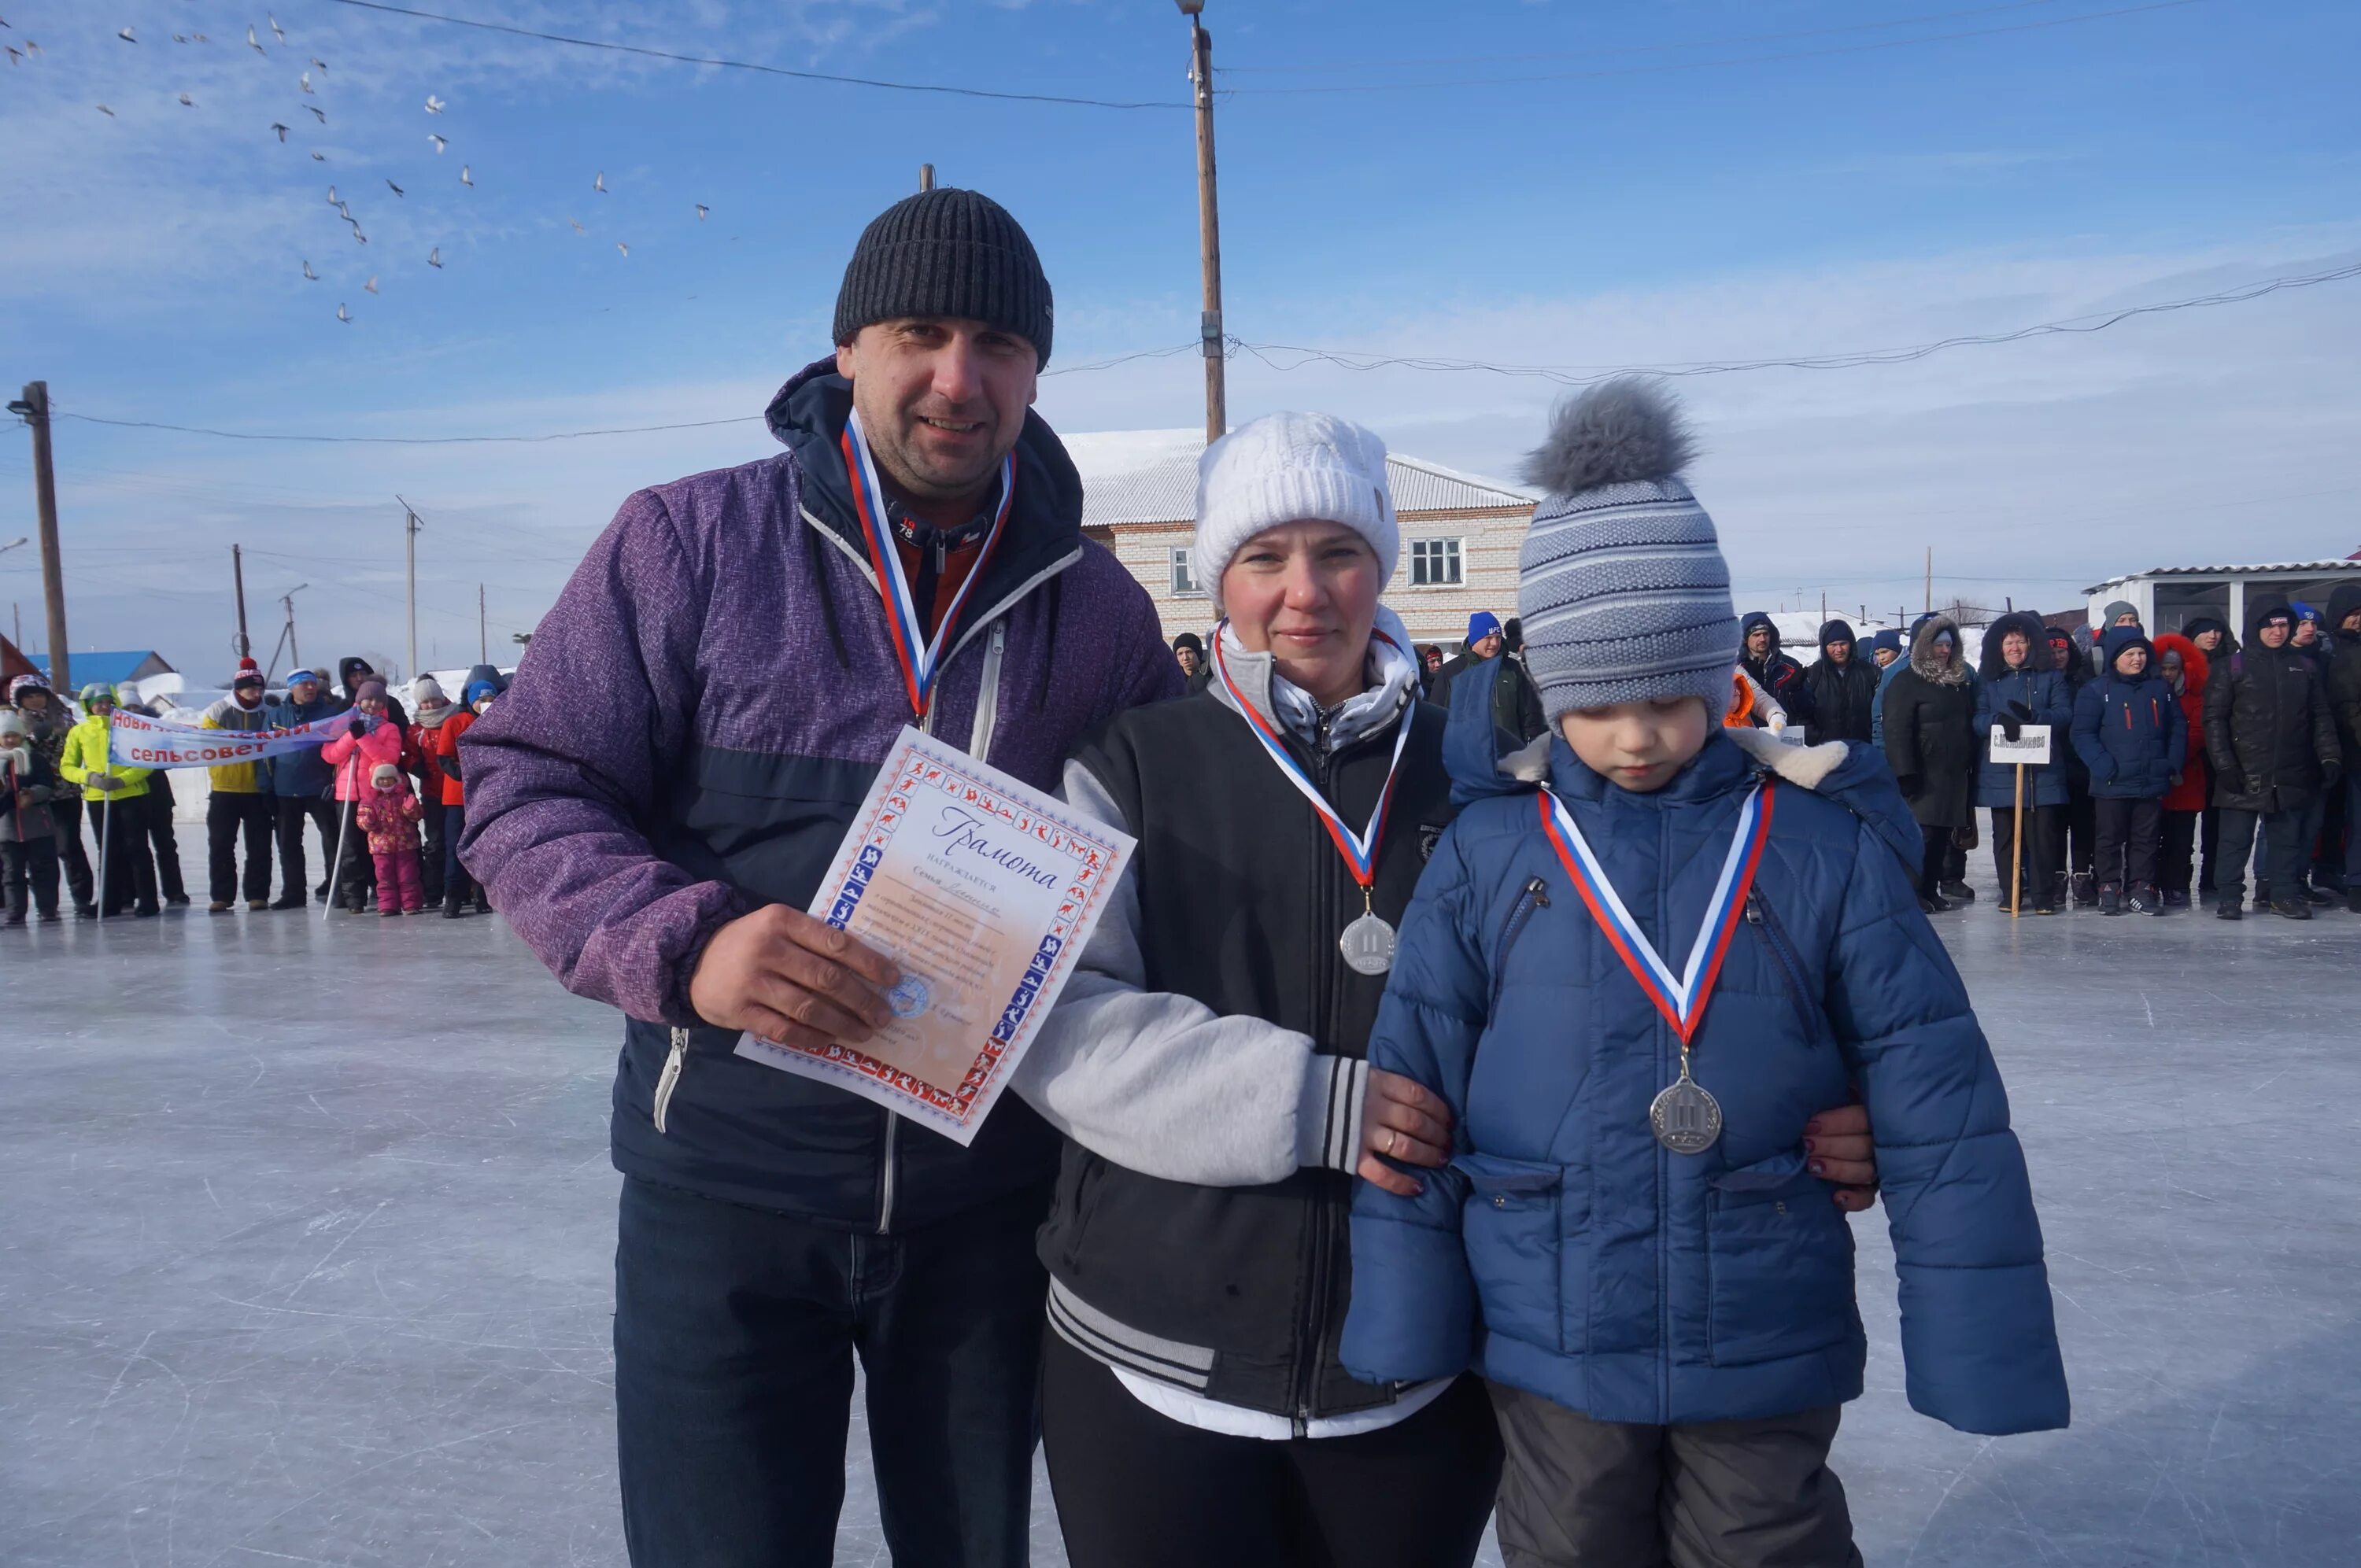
{"x":652,"y":804}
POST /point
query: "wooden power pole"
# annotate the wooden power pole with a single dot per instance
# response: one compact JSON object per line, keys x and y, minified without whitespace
{"x":35,"y":410}
{"x":409,"y":527}
{"x":483,"y":638}
{"x":237,"y":577}
{"x":1209,"y":224}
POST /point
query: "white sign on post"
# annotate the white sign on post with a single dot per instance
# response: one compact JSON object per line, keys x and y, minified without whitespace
{"x":2029,"y":750}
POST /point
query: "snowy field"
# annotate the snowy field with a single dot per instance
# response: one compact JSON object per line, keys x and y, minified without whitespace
{"x":305,"y":1237}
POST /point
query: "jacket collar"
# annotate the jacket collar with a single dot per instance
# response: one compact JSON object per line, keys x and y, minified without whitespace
{"x":1287,"y":709}
{"x":1044,"y":532}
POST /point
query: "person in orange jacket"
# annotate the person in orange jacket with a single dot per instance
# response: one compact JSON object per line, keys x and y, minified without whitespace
{"x":440,"y":748}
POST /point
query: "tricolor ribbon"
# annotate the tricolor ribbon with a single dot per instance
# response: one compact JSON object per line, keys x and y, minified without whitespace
{"x":1680,"y":999}
{"x":1359,"y":849}
{"x":921,"y":659}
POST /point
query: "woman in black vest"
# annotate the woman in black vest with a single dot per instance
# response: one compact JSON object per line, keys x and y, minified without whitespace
{"x":1205,"y":1063}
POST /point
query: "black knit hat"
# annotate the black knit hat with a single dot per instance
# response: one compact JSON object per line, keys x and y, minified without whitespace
{"x":947,"y":253}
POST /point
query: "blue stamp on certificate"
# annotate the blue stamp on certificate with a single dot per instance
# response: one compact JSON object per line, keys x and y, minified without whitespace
{"x":910,"y":997}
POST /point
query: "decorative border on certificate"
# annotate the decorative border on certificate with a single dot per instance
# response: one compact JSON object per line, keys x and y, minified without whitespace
{"x":1087,"y":858}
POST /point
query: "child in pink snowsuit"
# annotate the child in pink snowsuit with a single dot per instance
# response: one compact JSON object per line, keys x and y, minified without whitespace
{"x":390,"y":814}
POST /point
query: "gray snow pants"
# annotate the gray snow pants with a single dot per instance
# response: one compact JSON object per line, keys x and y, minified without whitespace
{"x":1584,"y":1494}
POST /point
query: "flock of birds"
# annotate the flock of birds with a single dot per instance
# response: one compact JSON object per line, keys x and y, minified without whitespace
{"x":18,"y":54}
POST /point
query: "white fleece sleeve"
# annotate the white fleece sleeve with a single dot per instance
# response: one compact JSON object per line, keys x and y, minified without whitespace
{"x":1161,"y":1083}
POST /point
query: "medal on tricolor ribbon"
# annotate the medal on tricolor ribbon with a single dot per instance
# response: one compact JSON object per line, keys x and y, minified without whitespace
{"x":1368,"y":943}
{"x":1685,"y":1118}
{"x":921,"y":659}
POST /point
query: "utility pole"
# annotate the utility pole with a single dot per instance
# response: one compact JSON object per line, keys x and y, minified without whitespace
{"x":1930,"y":579}
{"x":1209,"y":222}
{"x":237,"y":576}
{"x":925,"y":177}
{"x":483,"y":639}
{"x":287,"y":600}
{"x":35,"y":410}
{"x":409,"y":528}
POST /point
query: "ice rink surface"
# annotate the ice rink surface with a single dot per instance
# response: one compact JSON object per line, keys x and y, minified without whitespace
{"x":306,"y":1231}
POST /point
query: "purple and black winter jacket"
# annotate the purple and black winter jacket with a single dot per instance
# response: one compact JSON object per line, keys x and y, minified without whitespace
{"x":686,"y":739}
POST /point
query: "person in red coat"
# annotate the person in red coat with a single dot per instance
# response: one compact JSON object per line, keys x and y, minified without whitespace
{"x":440,"y":748}
{"x":2184,"y":667}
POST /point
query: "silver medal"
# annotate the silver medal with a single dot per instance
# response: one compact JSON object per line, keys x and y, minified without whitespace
{"x":1686,"y":1119}
{"x":1369,"y":945}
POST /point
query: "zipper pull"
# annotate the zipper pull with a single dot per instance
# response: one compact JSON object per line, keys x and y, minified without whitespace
{"x":1538,"y":890}
{"x":1754,"y":907}
{"x":669,"y":1080}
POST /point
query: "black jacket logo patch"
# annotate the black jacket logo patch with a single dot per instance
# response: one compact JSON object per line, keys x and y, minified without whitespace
{"x":1430,"y":834}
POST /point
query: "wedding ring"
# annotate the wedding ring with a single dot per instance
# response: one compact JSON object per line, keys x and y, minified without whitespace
{"x":1393,"y":1141}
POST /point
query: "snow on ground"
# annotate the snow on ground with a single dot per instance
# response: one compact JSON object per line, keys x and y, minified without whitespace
{"x":308,"y":1229}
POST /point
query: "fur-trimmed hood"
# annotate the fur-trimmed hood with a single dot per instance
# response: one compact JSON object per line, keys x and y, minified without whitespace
{"x":1993,"y":665}
{"x":1850,"y":774}
{"x":2196,"y":668}
{"x":1922,"y":642}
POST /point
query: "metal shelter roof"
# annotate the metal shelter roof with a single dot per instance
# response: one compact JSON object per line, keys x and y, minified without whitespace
{"x":2346,"y":566}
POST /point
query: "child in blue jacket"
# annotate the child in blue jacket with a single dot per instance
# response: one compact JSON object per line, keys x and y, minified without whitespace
{"x":1647,"y":950}
{"x":2129,"y":732}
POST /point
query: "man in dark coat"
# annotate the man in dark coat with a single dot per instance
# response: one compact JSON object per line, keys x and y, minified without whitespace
{"x":1484,"y":640}
{"x":2345,"y":706}
{"x":2272,"y":741}
{"x":1929,"y":710}
{"x":1516,"y":701}
{"x":1196,"y":669}
{"x":1776,"y":673}
{"x":1842,"y":688}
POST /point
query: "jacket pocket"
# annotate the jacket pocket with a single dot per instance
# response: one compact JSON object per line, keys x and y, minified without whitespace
{"x":1779,"y":1265}
{"x":1535,"y":897}
{"x":1790,"y":963}
{"x":1513,"y":1227}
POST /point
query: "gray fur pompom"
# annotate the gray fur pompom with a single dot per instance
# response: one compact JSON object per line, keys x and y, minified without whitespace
{"x":1617,"y":432}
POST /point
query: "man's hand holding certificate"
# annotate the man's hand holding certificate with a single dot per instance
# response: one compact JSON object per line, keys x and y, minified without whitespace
{"x":978,"y":892}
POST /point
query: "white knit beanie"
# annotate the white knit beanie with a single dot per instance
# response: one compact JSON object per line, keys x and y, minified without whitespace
{"x":1291,"y":467}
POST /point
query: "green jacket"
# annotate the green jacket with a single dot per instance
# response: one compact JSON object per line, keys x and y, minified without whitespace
{"x":85,"y":754}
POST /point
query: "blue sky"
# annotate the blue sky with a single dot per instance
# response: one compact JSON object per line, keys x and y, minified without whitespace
{"x":1515,"y":183}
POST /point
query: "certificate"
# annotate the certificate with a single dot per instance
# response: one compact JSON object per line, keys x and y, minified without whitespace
{"x":984,"y":892}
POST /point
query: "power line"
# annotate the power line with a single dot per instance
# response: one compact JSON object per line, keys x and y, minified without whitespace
{"x":1583,"y":376}
{"x":1707,"y":65}
{"x":550,"y":435}
{"x":756,"y":66}
{"x":1640,"y":48}
{"x":401,"y":439}
{"x":1349,"y":359}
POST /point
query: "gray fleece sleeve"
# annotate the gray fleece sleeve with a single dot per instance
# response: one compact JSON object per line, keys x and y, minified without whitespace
{"x":1161,"y":1083}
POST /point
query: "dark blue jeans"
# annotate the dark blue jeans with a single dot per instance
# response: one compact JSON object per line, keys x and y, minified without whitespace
{"x":735,"y":1333}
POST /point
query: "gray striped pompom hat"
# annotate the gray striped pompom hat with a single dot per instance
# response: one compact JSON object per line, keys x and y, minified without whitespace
{"x":1621,"y":584}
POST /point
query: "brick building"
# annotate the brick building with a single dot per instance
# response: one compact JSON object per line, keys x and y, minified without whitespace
{"x":1460,"y":532}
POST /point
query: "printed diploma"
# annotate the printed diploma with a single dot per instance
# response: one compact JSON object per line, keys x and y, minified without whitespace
{"x":984,"y":892}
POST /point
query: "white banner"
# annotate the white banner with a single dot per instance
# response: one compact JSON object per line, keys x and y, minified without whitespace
{"x":137,"y":740}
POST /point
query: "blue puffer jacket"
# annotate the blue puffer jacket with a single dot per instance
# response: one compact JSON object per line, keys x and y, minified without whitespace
{"x":1564,"y":1251}
{"x":2039,"y":689}
{"x":2130,"y":733}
